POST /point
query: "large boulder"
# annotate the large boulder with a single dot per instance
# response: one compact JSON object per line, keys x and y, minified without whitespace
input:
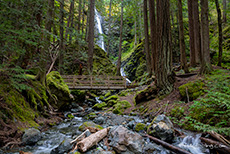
{"x":31,"y":136}
{"x":64,"y":147}
{"x":124,"y":140}
{"x":59,"y":90}
{"x":162,"y":128}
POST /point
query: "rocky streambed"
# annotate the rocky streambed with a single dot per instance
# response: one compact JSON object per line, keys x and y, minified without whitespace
{"x":125,"y":135}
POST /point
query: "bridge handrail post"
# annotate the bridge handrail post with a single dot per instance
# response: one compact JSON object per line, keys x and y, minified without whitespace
{"x":91,"y":81}
{"x":74,"y":81}
{"x":125,"y":81}
{"x":108,"y":82}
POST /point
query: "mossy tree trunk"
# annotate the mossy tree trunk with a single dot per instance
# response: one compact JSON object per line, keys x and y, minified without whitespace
{"x":182,"y":42}
{"x":120,"y":44}
{"x":164,"y":64}
{"x":220,"y":32}
{"x":152,"y":18}
{"x":146,"y":29}
{"x":91,"y":36}
{"x":191,"y":34}
{"x":206,"y":66}
{"x":197,"y":39}
{"x":61,"y":53}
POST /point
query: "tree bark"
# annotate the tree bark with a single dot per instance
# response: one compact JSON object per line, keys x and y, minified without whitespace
{"x":220,"y":33}
{"x":61,"y":56}
{"x":108,"y":46}
{"x":182,"y":42}
{"x":197,"y":39}
{"x":206,"y":66}
{"x":83,"y":19}
{"x":191,"y":34}
{"x":71,"y":9}
{"x":164,"y":74}
{"x":152,"y":18}
{"x":120,"y":43}
{"x":79,"y":17}
{"x":224,"y":11}
{"x":91,"y":36}
{"x":146,"y":29}
{"x":92,"y":140}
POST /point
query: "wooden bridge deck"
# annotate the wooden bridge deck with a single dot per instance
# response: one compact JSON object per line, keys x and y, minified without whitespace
{"x":95,"y":82}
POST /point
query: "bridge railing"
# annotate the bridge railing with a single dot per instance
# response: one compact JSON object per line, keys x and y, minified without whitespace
{"x":94,"y":82}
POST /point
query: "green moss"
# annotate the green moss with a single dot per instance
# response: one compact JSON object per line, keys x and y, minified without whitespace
{"x":111,"y":103}
{"x":123,"y":93}
{"x":193,"y":89}
{"x":58,"y":88}
{"x":121,"y":106}
{"x":70,"y":116}
{"x":177,"y":112}
{"x":55,"y":79}
{"x":101,"y":98}
{"x":108,"y":94}
{"x":79,"y":95}
{"x":99,"y":106}
{"x":140,"y":127}
{"x":89,"y":124}
{"x":113,"y":97}
{"x":91,"y":116}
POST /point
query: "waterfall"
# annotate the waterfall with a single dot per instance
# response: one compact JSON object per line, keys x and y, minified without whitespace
{"x":100,"y":42}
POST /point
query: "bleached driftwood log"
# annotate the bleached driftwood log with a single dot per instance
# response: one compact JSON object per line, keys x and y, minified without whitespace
{"x":92,"y":140}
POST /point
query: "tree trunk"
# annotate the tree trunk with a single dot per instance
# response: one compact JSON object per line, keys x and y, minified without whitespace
{"x":224,"y":11}
{"x":61,"y":56}
{"x":91,"y":36}
{"x":83,"y":19}
{"x":79,"y":17}
{"x":120,"y":43}
{"x":164,"y":74}
{"x":197,"y":39}
{"x":220,"y":33}
{"x":182,"y":42}
{"x":152,"y":18}
{"x":140,"y":21}
{"x":146,"y":29}
{"x":87,"y":25}
{"x":191,"y":34}
{"x":71,"y":9}
{"x":108,"y":47}
{"x":71,"y":26}
{"x":206,"y":66}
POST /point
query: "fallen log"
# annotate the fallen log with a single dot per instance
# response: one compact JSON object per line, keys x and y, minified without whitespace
{"x":220,"y":138}
{"x":168,"y":146}
{"x":211,"y":144}
{"x":92,"y":140}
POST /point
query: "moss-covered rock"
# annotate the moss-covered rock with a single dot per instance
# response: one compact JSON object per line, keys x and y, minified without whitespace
{"x":91,"y":116}
{"x":89,"y":124}
{"x":146,"y":94}
{"x":99,"y":106}
{"x":140,"y":127}
{"x":121,"y":106}
{"x":111,"y":102}
{"x":134,"y":62}
{"x":79,"y":95}
{"x":59,"y":90}
{"x":192,"y":90}
{"x":113,"y":97}
{"x":108,"y":94}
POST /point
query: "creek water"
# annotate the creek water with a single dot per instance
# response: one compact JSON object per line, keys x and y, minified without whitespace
{"x":70,"y":129}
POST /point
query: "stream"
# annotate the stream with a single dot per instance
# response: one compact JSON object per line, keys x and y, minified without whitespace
{"x":69,"y":129}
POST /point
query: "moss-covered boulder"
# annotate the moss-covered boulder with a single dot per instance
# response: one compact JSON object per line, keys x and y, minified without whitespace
{"x":192,"y":90}
{"x":59,"y":90}
{"x":113,"y":97}
{"x":79,"y":95}
{"x":135,"y":64}
{"x":146,"y":94}
{"x":140,"y":127}
{"x":101,"y":63}
{"x":89,"y":124}
{"x":91,"y":116}
{"x":99,"y":106}
{"x":120,"y":107}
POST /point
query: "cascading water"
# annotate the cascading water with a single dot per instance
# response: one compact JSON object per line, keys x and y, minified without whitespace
{"x":100,"y":31}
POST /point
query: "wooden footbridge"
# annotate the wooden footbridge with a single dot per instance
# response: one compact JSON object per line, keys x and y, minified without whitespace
{"x":95,"y":82}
